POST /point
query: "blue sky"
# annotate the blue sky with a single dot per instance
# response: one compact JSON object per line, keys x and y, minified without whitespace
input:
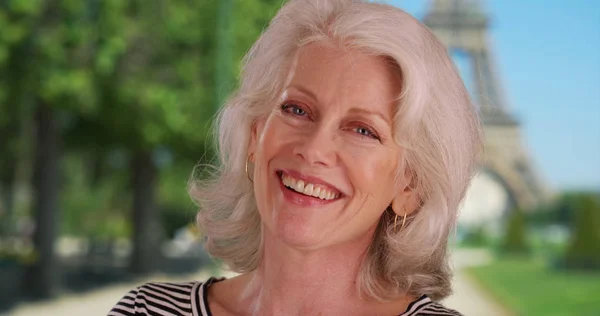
{"x":548,"y":59}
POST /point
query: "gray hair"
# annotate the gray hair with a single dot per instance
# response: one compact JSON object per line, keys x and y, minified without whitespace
{"x":435,"y":122}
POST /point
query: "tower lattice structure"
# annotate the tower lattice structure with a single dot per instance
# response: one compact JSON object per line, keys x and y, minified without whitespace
{"x":462,"y":25}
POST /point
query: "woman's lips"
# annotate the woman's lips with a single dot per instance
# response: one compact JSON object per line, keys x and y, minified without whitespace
{"x":317,"y":182}
{"x":328,"y":195}
{"x":301,"y":199}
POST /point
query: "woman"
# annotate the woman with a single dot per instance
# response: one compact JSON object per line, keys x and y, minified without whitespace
{"x":344,"y":156}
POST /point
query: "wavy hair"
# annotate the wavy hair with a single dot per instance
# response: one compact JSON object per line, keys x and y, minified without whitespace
{"x":434,"y":121}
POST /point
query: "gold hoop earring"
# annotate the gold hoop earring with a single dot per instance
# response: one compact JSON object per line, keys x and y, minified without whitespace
{"x":248,"y":174}
{"x":396,"y":222}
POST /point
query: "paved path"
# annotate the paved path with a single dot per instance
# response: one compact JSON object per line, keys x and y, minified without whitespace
{"x":97,"y":302}
{"x":468,"y":297}
{"x":471,"y":300}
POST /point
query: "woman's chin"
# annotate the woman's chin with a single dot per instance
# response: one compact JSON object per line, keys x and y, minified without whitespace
{"x":299,"y":234}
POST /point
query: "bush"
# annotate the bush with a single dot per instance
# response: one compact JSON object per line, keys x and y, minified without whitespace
{"x":584,"y":249}
{"x":515,"y":238}
{"x":173,"y":219}
{"x":476,"y":237}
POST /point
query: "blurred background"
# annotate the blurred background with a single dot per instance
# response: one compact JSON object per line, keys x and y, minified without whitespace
{"x":106,"y":107}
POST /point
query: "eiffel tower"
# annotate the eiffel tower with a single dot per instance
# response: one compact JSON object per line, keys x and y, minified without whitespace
{"x":462,"y":26}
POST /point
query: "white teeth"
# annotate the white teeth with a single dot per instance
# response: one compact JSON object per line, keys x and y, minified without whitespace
{"x":316,"y":192}
{"x":323,"y":194}
{"x":299,"y":186}
{"x":308,"y":188}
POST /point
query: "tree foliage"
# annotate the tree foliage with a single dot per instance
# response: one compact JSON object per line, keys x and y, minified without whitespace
{"x":132,"y":79}
{"x":515,"y":238}
{"x":584,"y":248}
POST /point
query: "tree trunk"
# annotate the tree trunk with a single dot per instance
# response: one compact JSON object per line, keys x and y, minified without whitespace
{"x":8,"y":175}
{"x":10,"y":132}
{"x":42,"y":278}
{"x":96,"y":167}
{"x":146,"y":229}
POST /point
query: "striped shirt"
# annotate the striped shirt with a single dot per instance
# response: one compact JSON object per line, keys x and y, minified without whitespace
{"x":190,"y":299}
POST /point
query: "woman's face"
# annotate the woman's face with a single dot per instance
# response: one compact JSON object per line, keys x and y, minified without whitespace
{"x":325,"y":159}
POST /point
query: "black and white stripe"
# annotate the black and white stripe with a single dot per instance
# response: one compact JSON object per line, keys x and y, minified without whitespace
{"x":158,"y":299}
{"x":424,"y":306}
{"x":191,"y":299}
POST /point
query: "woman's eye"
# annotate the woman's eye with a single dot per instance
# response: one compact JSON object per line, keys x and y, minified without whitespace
{"x":293,"y":109}
{"x":363,"y":131}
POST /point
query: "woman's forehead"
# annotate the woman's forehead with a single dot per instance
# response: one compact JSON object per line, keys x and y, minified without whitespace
{"x":325,"y":72}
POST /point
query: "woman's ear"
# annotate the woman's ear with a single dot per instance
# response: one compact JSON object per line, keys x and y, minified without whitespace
{"x":256,"y":128}
{"x":406,"y":202}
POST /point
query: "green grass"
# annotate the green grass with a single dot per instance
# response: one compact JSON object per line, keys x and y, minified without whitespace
{"x":530,"y":288}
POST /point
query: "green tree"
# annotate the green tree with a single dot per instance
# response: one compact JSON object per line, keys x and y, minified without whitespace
{"x":16,"y":22}
{"x":158,"y":98}
{"x":584,"y":249}
{"x":96,"y":78}
{"x":515,"y":238}
{"x":47,"y":54}
{"x":172,"y":62}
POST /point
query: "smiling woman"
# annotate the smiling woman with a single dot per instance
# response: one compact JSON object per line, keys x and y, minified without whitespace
{"x":344,"y":156}
{"x":326,"y":134}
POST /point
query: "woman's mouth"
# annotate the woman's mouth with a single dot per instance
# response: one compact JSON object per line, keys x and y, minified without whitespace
{"x":307,"y":188}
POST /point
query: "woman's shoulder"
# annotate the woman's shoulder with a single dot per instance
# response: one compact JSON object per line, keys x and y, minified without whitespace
{"x":425,"y":306}
{"x":172,"y":298}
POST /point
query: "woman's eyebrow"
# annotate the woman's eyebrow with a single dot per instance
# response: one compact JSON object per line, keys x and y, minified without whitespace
{"x":305,"y":91}
{"x":354,"y":110}
{"x":369,"y":112}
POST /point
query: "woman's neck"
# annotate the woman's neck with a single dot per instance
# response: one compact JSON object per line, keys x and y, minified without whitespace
{"x":306,"y":282}
{"x":289,"y":281}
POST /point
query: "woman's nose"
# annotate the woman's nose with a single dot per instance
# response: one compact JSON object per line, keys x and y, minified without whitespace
{"x":317,"y":148}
